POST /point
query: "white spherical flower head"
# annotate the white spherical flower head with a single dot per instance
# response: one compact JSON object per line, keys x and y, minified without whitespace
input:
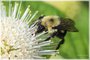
{"x":17,"y":38}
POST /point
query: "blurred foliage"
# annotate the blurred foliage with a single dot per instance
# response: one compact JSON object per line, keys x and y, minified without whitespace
{"x":76,"y":43}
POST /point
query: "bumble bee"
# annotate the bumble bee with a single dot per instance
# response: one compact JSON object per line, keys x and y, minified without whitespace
{"x":60,"y":25}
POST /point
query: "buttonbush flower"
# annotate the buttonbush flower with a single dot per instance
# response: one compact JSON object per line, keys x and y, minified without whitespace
{"x":17,"y":38}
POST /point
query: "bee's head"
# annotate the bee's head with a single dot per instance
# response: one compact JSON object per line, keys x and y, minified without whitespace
{"x":50,"y":21}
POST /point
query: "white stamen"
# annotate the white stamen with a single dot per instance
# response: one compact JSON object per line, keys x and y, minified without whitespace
{"x":18,"y":13}
{"x":28,"y":16}
{"x":17,"y":39}
{"x":41,"y":34}
{"x":33,"y":16}
{"x":46,"y":51}
{"x":15,"y":10}
{"x":25,"y":13}
{"x":10,"y":10}
{"x":41,"y":45}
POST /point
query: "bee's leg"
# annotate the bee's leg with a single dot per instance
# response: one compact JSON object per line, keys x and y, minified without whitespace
{"x":59,"y":44}
{"x":61,"y":35}
{"x":48,"y":38}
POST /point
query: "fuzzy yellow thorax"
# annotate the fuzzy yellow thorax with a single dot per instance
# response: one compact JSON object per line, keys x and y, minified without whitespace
{"x":50,"y":21}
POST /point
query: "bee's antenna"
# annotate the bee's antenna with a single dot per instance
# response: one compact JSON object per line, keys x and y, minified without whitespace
{"x":41,"y":17}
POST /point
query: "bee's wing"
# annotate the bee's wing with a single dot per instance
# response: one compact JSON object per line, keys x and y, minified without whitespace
{"x":69,"y":25}
{"x":72,"y":29}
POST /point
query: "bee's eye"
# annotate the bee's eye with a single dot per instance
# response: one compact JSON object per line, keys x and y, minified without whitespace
{"x":51,"y":20}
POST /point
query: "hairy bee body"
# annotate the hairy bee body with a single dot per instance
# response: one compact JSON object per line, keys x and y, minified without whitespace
{"x":61,"y":25}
